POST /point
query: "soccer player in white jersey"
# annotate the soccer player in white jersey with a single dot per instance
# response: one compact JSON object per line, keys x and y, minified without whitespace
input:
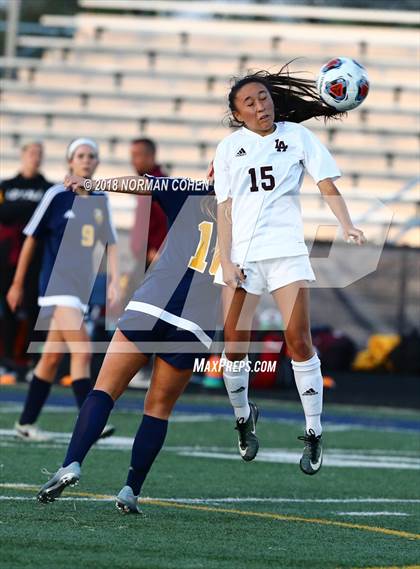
{"x":259,"y":170}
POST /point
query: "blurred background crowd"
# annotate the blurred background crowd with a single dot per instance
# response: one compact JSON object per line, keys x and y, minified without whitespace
{"x":148,"y":81}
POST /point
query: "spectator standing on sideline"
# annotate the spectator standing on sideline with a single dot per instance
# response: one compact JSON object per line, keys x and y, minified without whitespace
{"x":19,"y":197}
{"x":143,"y":159}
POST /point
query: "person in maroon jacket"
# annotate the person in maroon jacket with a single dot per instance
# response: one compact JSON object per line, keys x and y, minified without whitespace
{"x":19,"y":197}
{"x":145,"y":243}
{"x":143,"y":159}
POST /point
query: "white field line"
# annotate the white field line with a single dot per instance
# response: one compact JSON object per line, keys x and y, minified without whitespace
{"x":12,"y":408}
{"x":108,"y":499}
{"x":284,"y":456}
{"x":175,"y":418}
{"x":112,"y":499}
{"x":65,"y":499}
{"x":123,"y":443}
{"x":370,"y":514}
{"x":377,"y":454}
{"x":332,"y":457}
{"x":237,"y":500}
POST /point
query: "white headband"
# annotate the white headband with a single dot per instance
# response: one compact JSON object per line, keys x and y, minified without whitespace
{"x":79,"y":142}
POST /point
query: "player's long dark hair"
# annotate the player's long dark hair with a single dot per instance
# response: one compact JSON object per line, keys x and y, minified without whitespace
{"x":295,"y":99}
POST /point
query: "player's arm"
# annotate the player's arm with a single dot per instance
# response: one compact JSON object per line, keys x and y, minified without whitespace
{"x":135,"y":185}
{"x":113,"y":293}
{"x":232,"y":274}
{"x":15,"y":293}
{"x":338,"y":206}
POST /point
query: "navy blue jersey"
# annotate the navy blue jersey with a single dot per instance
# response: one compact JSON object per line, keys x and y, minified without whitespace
{"x":178,"y":288}
{"x":70,"y":225}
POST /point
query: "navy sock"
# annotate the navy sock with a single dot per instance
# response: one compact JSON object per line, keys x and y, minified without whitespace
{"x":147,"y":444}
{"x":89,"y":425}
{"x":37,"y":395}
{"x":81,"y":389}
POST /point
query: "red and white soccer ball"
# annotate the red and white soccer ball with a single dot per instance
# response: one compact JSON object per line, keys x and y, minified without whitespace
{"x":343,"y":83}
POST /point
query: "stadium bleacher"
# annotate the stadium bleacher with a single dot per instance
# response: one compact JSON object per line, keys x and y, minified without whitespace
{"x":166,"y":75}
{"x":118,"y":70}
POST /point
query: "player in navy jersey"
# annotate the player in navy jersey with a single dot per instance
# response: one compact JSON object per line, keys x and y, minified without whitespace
{"x":69,"y":226}
{"x":259,"y":170}
{"x":172,"y":315}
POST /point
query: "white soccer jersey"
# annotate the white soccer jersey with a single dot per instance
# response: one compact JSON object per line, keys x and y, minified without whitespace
{"x":263,"y":176}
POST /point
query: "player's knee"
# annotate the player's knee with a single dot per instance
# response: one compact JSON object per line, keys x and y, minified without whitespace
{"x":81,"y":359}
{"x":159,"y":403}
{"x":51,"y":361}
{"x":159,"y":409}
{"x":234,"y":355}
{"x":235,"y":343}
{"x":300,"y":347}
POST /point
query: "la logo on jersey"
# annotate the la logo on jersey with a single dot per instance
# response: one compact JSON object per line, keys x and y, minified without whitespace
{"x":281,"y":146}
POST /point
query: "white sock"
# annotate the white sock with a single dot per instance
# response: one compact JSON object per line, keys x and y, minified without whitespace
{"x":310,"y":385}
{"x":236,"y":378}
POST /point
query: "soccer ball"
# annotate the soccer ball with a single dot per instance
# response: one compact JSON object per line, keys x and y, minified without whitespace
{"x":343,"y":83}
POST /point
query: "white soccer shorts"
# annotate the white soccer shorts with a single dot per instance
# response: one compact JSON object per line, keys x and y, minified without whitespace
{"x":271,"y":274}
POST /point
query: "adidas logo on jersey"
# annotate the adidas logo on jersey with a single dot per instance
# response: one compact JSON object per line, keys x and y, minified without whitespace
{"x":241,"y":152}
{"x":69,"y":214}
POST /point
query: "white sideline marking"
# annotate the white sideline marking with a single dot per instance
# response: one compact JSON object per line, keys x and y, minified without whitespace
{"x":112,"y":499}
{"x":372,"y":514}
{"x":192,"y":418}
{"x":17,"y":485}
{"x":11,"y":408}
{"x":65,"y":499}
{"x":175,"y":418}
{"x":332,"y":457}
{"x":236,"y":500}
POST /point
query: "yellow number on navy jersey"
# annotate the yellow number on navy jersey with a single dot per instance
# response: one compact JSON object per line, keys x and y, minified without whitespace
{"x":88,"y":235}
{"x":198,"y":261}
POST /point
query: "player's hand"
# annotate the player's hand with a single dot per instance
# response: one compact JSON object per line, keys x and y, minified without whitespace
{"x":14,"y":297}
{"x":73,"y":183}
{"x":233,"y":275}
{"x":210,"y":173}
{"x":113,"y":295}
{"x":354,"y":235}
{"x":152,"y":255}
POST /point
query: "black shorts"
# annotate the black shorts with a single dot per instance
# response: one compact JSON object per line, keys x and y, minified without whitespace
{"x":152,"y":335}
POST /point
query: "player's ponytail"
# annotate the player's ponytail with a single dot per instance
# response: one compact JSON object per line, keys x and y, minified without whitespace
{"x":295,"y":99}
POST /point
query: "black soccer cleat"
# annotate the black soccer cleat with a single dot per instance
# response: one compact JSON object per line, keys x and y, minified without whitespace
{"x":311,"y":460}
{"x":247,"y":439}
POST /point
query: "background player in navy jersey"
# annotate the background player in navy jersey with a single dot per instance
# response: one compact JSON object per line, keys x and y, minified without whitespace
{"x":172,"y":314}
{"x":258,"y":174}
{"x":69,"y":226}
{"x":19,"y":196}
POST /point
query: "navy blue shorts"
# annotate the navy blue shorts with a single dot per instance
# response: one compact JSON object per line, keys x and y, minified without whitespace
{"x":151,"y":336}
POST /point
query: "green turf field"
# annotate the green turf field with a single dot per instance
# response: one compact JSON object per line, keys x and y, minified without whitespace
{"x":208,"y":509}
